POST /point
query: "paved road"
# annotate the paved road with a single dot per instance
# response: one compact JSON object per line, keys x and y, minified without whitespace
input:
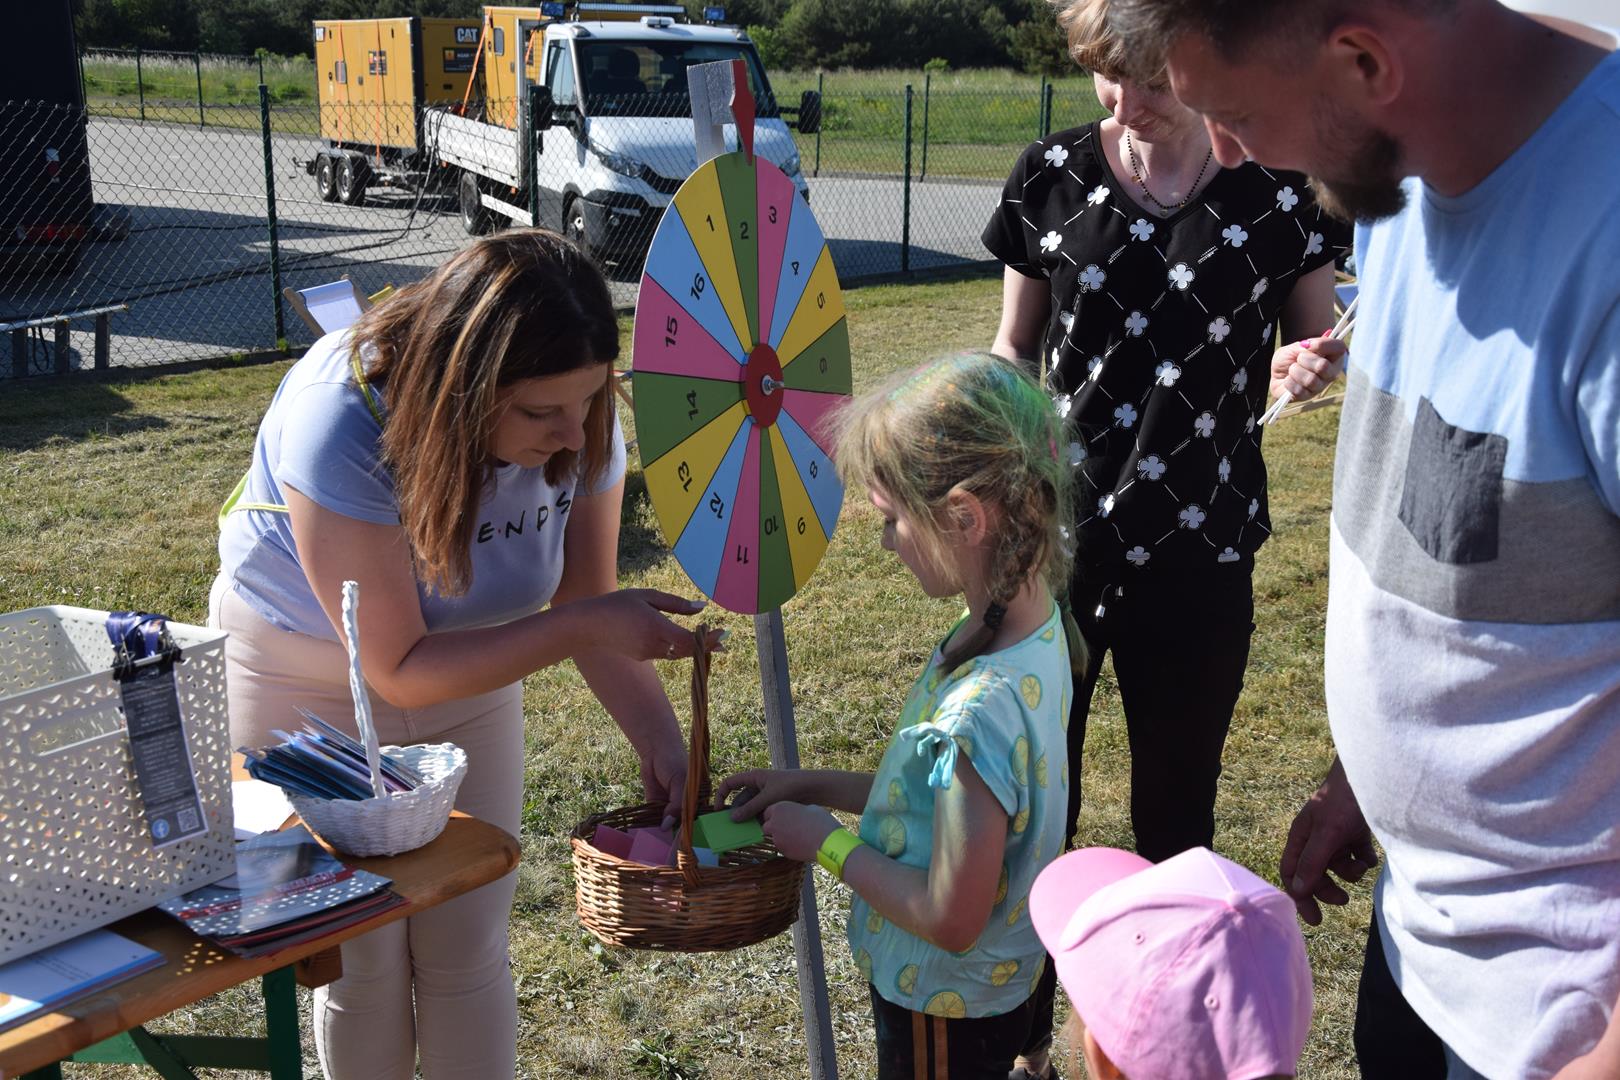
{"x":195,"y":267}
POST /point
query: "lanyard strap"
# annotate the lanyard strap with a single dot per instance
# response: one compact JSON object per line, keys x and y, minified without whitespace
{"x":136,"y":634}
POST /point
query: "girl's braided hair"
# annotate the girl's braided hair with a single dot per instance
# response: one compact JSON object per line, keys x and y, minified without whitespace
{"x":974,"y":423}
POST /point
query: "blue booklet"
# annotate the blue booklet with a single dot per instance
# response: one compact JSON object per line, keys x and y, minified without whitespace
{"x":63,"y":973}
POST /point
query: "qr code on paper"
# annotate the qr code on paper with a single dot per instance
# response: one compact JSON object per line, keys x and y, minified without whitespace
{"x":187,"y":820}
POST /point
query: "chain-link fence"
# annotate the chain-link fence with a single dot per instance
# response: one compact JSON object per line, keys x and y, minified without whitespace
{"x":161,"y":224}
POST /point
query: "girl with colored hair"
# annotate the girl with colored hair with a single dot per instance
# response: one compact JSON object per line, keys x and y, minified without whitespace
{"x":456,"y":453}
{"x":960,"y":458}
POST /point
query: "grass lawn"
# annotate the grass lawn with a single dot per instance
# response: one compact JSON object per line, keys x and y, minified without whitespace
{"x":108,"y":492}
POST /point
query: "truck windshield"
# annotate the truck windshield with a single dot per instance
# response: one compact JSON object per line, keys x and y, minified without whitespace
{"x":648,"y":78}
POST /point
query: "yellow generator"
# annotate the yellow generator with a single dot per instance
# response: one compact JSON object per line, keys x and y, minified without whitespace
{"x":374,"y":77}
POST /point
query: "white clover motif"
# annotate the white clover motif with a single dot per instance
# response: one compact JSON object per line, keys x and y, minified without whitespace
{"x":1204,"y":425}
{"x":1136,"y":323}
{"x":1240,"y":381}
{"x":1223,"y":471}
{"x":1167,"y":373}
{"x":1228,"y":555}
{"x":1286,"y":199}
{"x":1064,"y":403}
{"x":1235,"y":235}
{"x":1125,"y":415}
{"x":1265,"y":335}
{"x":1313,"y":244}
{"x":1192,"y":516}
{"x":1259,"y":290}
{"x":1077,"y":454}
{"x":1138,"y":555}
{"x":1067,"y":319}
{"x":1151,"y":467}
{"x":1141,"y":229}
{"x":1092,"y":278}
{"x":1254,"y":508}
{"x":1219,"y":329}
{"x":1093,"y":366}
{"x":1056,"y":156}
{"x":1051,"y":242}
{"x":1099,"y":195}
{"x":1105,"y":505}
{"x":1181,"y":276}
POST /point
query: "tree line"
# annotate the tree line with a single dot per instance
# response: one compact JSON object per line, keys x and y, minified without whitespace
{"x":799,"y":34}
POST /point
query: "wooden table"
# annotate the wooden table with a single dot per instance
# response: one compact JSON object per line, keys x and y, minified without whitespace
{"x":106,"y":1026}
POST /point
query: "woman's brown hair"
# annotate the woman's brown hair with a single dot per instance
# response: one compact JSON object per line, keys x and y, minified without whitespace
{"x":523,"y":304}
{"x":1094,"y":45}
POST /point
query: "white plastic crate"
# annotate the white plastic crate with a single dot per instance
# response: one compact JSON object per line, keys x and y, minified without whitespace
{"x":75,"y":853}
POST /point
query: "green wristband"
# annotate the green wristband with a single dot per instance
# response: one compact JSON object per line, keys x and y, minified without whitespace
{"x":835,"y":849}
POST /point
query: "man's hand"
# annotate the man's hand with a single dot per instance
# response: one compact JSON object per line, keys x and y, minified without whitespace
{"x":1328,"y":833}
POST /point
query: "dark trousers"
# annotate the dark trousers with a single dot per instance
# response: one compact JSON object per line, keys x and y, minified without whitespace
{"x":1391,"y":1039}
{"x":1180,"y":645}
{"x":916,"y":1046}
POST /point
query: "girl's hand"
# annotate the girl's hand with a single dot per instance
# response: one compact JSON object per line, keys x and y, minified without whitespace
{"x":798,"y":831}
{"x":632,"y":622}
{"x":768,"y":786}
{"x":1306,"y":368}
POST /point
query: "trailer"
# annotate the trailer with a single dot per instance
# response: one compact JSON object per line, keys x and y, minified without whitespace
{"x":613,"y":142}
{"x":375,"y":78}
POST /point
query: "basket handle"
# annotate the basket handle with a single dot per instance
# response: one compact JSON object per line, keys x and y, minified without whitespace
{"x":697,"y":761}
{"x":357,"y":686}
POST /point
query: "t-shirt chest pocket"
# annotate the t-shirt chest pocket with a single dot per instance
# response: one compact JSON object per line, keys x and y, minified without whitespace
{"x":1451,"y":501}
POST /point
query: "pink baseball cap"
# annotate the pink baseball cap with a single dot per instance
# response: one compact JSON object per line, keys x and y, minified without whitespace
{"x":1191,"y":969}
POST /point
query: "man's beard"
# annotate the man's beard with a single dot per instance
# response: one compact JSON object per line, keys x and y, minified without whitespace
{"x":1376,"y":158}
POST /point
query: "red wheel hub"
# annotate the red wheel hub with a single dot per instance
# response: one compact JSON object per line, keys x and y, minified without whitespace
{"x":762,"y":385}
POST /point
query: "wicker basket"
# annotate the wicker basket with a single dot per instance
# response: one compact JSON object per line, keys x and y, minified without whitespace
{"x":389,"y":823}
{"x":752,"y":895}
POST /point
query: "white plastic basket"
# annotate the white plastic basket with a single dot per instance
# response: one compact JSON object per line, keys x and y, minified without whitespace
{"x":75,"y":853}
{"x":388,"y":823}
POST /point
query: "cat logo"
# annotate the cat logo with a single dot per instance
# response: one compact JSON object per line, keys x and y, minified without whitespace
{"x":466,"y":35}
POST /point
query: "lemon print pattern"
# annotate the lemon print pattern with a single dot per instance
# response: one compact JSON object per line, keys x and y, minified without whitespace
{"x":1040,"y":771}
{"x":1021,"y":822}
{"x":1002,"y":972}
{"x":964,"y":743}
{"x":897,"y":797}
{"x":1050,"y":635}
{"x":1030,"y":687}
{"x":906,"y":981}
{"x":1065,"y":775}
{"x":863,"y":964}
{"x":891,"y":836}
{"x":1019,"y":760}
{"x":946,"y":1003}
{"x":874,"y":923}
{"x":1001,"y":886}
{"x":1018,"y":911}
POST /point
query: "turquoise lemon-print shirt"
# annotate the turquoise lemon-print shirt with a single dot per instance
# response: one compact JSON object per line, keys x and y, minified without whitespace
{"x":1006,"y":712}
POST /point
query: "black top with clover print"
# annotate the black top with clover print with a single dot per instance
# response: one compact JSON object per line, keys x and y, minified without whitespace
{"x":1159,"y":345}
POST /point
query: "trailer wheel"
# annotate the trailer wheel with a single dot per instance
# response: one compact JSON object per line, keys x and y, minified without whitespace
{"x":326,"y":177}
{"x":475,"y":216}
{"x":352,"y":175}
{"x":574,"y":226}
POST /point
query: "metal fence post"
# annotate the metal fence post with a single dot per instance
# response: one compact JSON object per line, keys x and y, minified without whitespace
{"x":261,"y":69}
{"x":140,"y":83}
{"x":1046,"y":110}
{"x":821,"y":92}
{"x":270,"y":216}
{"x":531,"y":153}
{"x":928,"y":79}
{"x":905,"y":204}
{"x":1040,"y":104}
{"x":196,"y":58}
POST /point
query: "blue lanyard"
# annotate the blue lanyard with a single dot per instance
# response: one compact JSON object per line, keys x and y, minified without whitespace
{"x":135,"y":635}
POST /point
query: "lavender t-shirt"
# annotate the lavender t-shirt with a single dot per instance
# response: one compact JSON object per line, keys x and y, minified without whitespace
{"x":320,"y":438}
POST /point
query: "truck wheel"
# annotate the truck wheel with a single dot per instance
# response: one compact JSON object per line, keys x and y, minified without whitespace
{"x":475,"y":216}
{"x":326,"y":177}
{"x":352,"y":175}
{"x":574,"y":225}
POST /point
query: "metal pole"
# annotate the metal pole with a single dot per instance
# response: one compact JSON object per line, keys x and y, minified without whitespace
{"x":196,"y":59}
{"x":905,"y":197}
{"x":821,"y":92}
{"x":261,"y":69}
{"x":140,"y":83}
{"x":1046,"y":110}
{"x":531,"y":153}
{"x":928,"y":79}
{"x":1039,"y":99}
{"x":103,"y":342}
{"x":771,"y":644}
{"x":270,"y":217}
{"x":62,"y":348}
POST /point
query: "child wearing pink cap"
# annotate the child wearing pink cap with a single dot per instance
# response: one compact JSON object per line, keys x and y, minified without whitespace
{"x":1189,"y":969}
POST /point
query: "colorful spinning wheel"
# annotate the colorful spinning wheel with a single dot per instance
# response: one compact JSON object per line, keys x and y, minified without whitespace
{"x":741,"y":352}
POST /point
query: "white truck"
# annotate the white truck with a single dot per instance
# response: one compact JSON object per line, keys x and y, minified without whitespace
{"x":614,"y":138}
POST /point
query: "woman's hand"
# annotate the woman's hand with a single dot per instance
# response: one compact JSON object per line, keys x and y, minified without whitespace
{"x":663,"y":776}
{"x":763,"y":788}
{"x":798,"y":831}
{"x":632,"y":622}
{"x":1306,"y":368}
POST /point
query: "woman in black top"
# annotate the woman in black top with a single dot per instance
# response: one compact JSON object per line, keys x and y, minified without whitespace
{"x":1148,"y":285}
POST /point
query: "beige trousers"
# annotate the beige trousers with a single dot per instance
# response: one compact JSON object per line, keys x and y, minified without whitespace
{"x":437,"y":986}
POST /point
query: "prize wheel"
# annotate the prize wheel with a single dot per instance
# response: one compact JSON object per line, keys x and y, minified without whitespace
{"x":740,"y":354}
